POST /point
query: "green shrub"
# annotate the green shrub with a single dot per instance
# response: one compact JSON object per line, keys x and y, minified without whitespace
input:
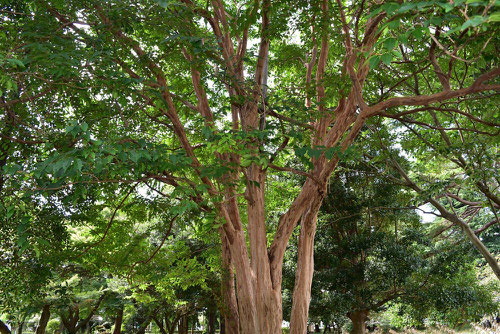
{"x":53,"y":326}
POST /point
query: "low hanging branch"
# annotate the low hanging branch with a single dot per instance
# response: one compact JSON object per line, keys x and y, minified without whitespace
{"x":455,"y":219}
{"x":110,"y":221}
{"x":167,"y":234}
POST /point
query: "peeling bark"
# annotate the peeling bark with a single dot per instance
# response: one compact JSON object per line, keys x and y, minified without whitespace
{"x":230,"y":310}
{"x":305,"y":270}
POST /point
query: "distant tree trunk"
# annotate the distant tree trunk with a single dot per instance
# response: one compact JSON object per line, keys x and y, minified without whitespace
{"x":20,"y":328}
{"x":358,"y":319}
{"x":118,"y":322}
{"x":71,"y":322}
{"x":3,"y":328}
{"x":222,"y":322}
{"x":144,"y":325}
{"x":159,"y":323}
{"x":211,"y":320}
{"x":61,"y":328}
{"x":44,"y":319}
{"x":183,"y":325}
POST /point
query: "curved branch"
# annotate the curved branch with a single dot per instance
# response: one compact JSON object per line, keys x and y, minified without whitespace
{"x":476,"y":87}
{"x":296,"y":171}
{"x":110,"y":221}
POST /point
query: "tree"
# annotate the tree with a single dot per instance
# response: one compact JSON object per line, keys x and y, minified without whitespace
{"x":170,"y":94}
{"x":464,"y":192}
{"x":373,"y":251}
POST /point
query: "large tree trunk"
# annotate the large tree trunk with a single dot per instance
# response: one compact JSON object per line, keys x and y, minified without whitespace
{"x":44,"y":319}
{"x":3,"y":328}
{"x":267,"y":297}
{"x":358,"y":319}
{"x":305,"y":269}
{"x":118,"y":322}
{"x":230,"y":307}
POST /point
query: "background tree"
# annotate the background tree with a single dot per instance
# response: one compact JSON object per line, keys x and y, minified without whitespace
{"x":374,"y":252}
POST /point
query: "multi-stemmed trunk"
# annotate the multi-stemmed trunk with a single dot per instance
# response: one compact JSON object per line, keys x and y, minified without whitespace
{"x":259,"y":291}
{"x":305,"y":269}
{"x":72,"y":322}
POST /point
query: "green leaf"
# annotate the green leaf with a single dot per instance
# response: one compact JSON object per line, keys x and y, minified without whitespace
{"x":331,"y":152}
{"x":397,"y":53}
{"x":495,"y":17}
{"x":15,"y":62}
{"x":390,"y":7}
{"x":403,"y":38}
{"x":314,"y":152}
{"x":300,"y":151}
{"x":10,"y":212}
{"x":78,"y":165}
{"x":13,"y":169}
{"x":418,"y":32}
{"x":446,"y":6}
{"x":374,"y":61}
{"x":394,"y":24}
{"x":386,"y":58}
{"x":163,"y":3}
{"x":473,"y":22}
{"x":390,"y":43}
{"x":407,"y":6}
{"x":84,"y":126}
{"x":134,"y":155}
{"x":246,"y":162}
